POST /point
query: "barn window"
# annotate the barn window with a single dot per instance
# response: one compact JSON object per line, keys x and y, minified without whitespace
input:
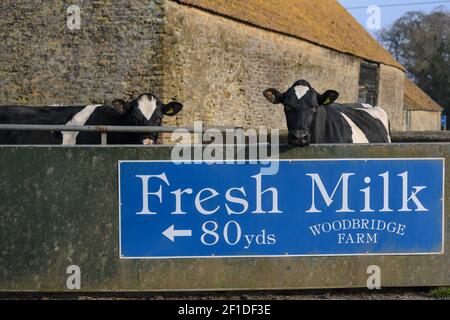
{"x":368,"y":83}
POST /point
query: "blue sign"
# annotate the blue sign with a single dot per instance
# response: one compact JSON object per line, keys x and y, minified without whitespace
{"x":309,"y":207}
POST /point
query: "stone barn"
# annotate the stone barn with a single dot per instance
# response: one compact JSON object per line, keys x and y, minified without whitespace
{"x":422,"y":112}
{"x":215,"y":56}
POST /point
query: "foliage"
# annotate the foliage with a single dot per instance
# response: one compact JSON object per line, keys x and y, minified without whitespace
{"x":442,"y":292}
{"x":421,"y":42}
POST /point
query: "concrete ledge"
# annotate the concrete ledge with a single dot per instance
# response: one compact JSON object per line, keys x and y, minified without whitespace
{"x":421,"y":136}
{"x":59,"y":207}
{"x":396,"y":136}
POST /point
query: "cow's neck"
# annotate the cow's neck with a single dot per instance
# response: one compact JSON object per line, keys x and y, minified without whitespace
{"x":327,"y":126}
{"x":317,"y":126}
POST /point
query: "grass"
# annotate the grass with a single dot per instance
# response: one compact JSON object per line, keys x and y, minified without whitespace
{"x":442,"y":292}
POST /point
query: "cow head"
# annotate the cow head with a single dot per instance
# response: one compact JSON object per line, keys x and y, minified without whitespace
{"x":301,"y":103}
{"x":146,"y":110}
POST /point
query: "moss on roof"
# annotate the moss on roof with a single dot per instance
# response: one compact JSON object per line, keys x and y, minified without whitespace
{"x":416,"y":99}
{"x":323,"y":22}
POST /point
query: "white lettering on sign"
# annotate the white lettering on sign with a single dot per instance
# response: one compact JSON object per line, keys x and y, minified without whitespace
{"x":178,"y":194}
{"x":412,"y":197}
{"x":259,"y":194}
{"x":199,"y":200}
{"x":407,"y":194}
{"x":358,"y":225}
{"x":385,"y":177}
{"x":327,"y":198}
{"x":205,"y":195}
{"x":146,"y":193}
{"x":236,"y":200}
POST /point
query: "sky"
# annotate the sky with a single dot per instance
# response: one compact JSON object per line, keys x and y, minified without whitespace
{"x":390,"y":10}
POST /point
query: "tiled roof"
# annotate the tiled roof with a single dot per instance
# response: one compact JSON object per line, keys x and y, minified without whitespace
{"x":416,"y":99}
{"x":323,"y":22}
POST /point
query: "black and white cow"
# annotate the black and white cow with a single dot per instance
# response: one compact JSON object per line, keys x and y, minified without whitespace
{"x":146,"y":110}
{"x":315,"y":118}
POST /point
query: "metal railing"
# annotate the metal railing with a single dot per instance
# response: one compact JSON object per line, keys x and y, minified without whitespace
{"x":402,"y":137}
{"x":103,"y":130}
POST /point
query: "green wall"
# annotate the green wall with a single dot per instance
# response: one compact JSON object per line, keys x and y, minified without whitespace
{"x":59,"y":207}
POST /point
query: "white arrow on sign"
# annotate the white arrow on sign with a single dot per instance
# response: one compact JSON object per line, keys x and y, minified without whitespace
{"x":171,"y":233}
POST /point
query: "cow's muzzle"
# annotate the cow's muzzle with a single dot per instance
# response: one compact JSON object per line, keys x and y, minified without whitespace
{"x":299,"y":138}
{"x":150,"y":141}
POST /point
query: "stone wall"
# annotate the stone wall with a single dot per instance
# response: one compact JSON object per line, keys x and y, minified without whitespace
{"x":420,"y":120}
{"x":219,"y":68}
{"x":391,"y":95}
{"x":116,"y":53}
{"x":216,"y":66}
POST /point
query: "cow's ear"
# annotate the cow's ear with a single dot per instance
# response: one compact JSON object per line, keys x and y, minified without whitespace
{"x":328,"y":97}
{"x":120,"y":105}
{"x":273,"y":95}
{"x":171,"y":109}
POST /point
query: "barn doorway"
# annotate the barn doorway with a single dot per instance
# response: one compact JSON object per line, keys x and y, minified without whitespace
{"x":368,"y":83}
